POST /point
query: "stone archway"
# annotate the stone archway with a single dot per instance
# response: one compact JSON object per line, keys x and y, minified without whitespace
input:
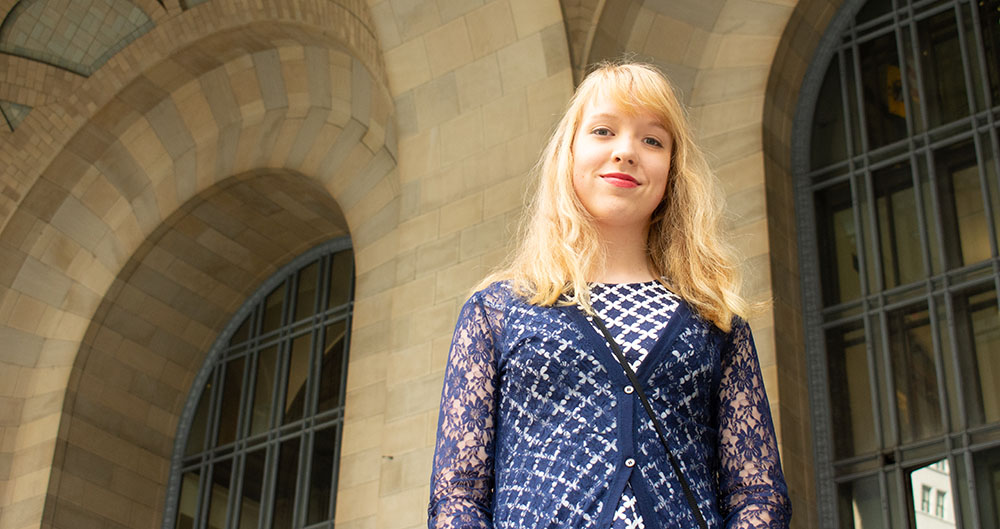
{"x":168,"y":121}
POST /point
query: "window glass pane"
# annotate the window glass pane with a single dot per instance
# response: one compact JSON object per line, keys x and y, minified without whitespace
{"x":873,"y":9}
{"x":298,"y":372}
{"x":332,"y":368}
{"x":829,"y":137}
{"x":990,"y":167}
{"x":221,"y":478}
{"x":943,"y":73}
{"x":264,"y":390}
{"x":962,"y":209}
{"x":914,"y":373}
{"x":321,"y":476}
{"x":242,"y":332}
{"x":885,"y":110}
{"x":850,"y":393}
{"x":284,"y":492}
{"x":253,"y":483}
{"x":899,"y":242}
{"x":341,"y":278}
{"x":273,"y":304}
{"x":199,"y":425}
{"x":187,"y":505}
{"x":989,"y":21}
{"x":305,"y":304}
{"x":978,"y":336}
{"x":860,"y":504}
{"x":931,"y":488}
{"x":987,"y":469}
{"x":854,"y":112}
{"x":838,"y":245}
{"x":230,"y":411}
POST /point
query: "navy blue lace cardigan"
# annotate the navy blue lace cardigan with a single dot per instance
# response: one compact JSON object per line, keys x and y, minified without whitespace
{"x":538,"y":428}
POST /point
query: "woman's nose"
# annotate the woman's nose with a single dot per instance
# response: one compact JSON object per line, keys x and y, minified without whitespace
{"x":624,"y":154}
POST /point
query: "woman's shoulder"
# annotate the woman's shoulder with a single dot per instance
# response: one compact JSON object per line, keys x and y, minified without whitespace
{"x":497,"y":295}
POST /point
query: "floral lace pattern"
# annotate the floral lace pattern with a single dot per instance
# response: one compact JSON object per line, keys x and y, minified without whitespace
{"x":536,"y":429}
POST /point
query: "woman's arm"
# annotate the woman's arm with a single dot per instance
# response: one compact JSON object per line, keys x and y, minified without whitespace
{"x":462,"y":480}
{"x":752,"y":490}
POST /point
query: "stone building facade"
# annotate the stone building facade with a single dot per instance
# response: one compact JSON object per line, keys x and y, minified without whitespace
{"x":162,"y":158}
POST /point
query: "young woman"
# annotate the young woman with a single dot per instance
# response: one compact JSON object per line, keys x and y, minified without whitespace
{"x":540,"y":425}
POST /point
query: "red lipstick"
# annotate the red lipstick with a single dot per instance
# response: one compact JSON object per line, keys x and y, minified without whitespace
{"x":620,"y":180}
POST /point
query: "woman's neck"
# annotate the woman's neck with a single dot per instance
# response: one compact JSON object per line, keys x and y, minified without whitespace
{"x":625,"y":259}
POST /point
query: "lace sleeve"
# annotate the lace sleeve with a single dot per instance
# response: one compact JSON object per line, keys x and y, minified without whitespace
{"x":462,"y":479}
{"x":752,"y":490}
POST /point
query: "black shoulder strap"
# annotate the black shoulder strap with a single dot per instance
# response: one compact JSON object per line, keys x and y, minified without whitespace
{"x":656,"y":424}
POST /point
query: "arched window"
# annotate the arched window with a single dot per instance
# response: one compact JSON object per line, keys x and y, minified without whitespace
{"x":899,"y":216}
{"x":259,"y":445}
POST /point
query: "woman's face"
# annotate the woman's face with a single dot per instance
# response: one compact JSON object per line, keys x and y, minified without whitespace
{"x":620,"y":164}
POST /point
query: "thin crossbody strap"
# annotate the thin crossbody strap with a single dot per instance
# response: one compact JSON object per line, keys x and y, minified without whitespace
{"x":656,"y":423}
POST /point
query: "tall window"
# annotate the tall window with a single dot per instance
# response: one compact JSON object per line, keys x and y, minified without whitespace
{"x":900,"y":263}
{"x":262,"y":446}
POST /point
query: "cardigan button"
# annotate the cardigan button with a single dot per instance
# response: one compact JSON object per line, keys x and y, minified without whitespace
{"x":629,"y":389}
{"x":630,"y":462}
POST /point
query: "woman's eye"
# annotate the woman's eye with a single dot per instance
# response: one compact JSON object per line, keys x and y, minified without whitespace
{"x":653,"y":141}
{"x":601,"y":131}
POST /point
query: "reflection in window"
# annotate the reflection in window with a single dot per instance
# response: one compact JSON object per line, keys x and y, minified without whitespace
{"x":263,"y":444}
{"x":838,"y":244}
{"x":978,"y":333}
{"x":967,"y":239}
{"x":901,"y":169}
{"x":914,"y":373}
{"x":850,"y":395}
{"x":933,"y":484}
{"x":860,"y":504}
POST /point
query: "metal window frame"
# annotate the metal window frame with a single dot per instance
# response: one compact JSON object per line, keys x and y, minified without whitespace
{"x":935,"y":291}
{"x":276,"y":432}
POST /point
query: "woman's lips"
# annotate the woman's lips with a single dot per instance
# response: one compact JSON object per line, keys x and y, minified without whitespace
{"x":619,"y":180}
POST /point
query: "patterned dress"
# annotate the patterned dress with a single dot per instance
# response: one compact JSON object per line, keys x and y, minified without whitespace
{"x":539,"y":427}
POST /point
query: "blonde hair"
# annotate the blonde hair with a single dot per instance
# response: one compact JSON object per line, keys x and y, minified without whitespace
{"x":559,"y":241}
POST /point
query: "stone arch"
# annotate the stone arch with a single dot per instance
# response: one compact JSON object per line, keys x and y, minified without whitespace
{"x":155,"y":148}
{"x":799,"y":42}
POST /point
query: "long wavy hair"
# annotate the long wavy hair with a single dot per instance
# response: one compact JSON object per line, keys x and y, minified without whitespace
{"x":559,"y":245}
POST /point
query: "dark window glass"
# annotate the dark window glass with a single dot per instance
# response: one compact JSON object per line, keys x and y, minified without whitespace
{"x":264,"y":447}
{"x":850,"y":391}
{"x":229,"y":413}
{"x":860,"y":504}
{"x":943,"y":73}
{"x":334,"y":354}
{"x":199,"y":426}
{"x":914,"y":373}
{"x":989,"y":21}
{"x":273,"y":310}
{"x":296,"y":392}
{"x":838,"y":244}
{"x":899,"y":238}
{"x":977,"y":328}
{"x":219,"y":498}
{"x":987,"y":469}
{"x":253,"y":483}
{"x":903,"y":235}
{"x":829,"y":136}
{"x":187,"y":505}
{"x":305,"y":305}
{"x":321,"y":476}
{"x":882,"y":85}
{"x":284,"y":492}
{"x":341,"y":279}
